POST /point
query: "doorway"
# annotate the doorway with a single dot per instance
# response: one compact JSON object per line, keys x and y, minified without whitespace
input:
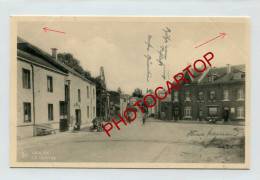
{"x":226,"y":114}
{"x":64,"y":126}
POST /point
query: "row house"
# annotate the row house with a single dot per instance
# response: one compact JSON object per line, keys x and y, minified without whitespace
{"x":51,"y":96}
{"x":218,"y":93}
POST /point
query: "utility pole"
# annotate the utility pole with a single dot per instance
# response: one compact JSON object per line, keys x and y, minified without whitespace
{"x":162,"y":52}
{"x":166,"y":39}
{"x":148,"y":57}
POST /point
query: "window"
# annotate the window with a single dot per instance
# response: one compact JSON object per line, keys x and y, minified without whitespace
{"x":200,"y":113}
{"x":187,"y":96}
{"x":200,"y":95}
{"x":94,"y":93}
{"x":175,"y":96}
{"x":66,"y":93}
{"x":49,"y":84}
{"x":87,"y":92}
{"x":225,"y":94}
{"x":213,"y":111}
{"x":187,"y":112}
{"x":240,"y":94}
{"x":212,"y":77}
{"x":94,"y":110}
{"x":212,"y":95}
{"x":63,"y":108}
{"x":26,"y":79}
{"x":50,"y":112}
{"x":88,"y":111}
{"x":27,"y":112}
{"x":240,"y":112}
{"x":239,"y":75}
{"x":79,"y":98}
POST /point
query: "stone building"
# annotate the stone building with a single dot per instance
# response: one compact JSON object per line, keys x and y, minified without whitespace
{"x":218,"y":93}
{"x":51,"y":96}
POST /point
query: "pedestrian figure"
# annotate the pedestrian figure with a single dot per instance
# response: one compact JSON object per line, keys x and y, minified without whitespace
{"x":145,"y":114}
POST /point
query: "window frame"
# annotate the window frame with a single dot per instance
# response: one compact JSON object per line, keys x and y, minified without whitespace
{"x":30,"y":112}
{"x":201,"y":95}
{"x":26,"y":82}
{"x":211,"y":93}
{"x":94,"y":111}
{"x":63,"y":108}
{"x":88,"y":92}
{"x":240,"y":112}
{"x":226,"y":96}
{"x":79,"y":95}
{"x":240,"y":94}
{"x":50,"y":112}
{"x":175,"y":96}
{"x":187,"y":109}
{"x":213,"y":115}
{"x":49,"y":79}
{"x":87,"y":111}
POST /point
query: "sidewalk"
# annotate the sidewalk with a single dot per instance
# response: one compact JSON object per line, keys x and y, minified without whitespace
{"x":63,"y":136}
{"x":238,"y":123}
{"x":155,"y":141}
{"x":67,"y":136}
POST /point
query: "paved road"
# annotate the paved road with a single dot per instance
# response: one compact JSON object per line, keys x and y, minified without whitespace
{"x":155,"y":141}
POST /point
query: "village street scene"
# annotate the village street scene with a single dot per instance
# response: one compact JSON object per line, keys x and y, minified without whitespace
{"x":64,"y":101}
{"x":157,"y":141}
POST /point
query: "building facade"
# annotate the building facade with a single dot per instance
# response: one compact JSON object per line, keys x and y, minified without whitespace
{"x":82,"y":100}
{"x":51,"y":96}
{"x":219,"y":94}
{"x":40,"y":89}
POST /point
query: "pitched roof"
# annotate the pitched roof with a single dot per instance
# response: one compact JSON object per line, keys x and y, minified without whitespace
{"x":22,"y":55}
{"x":36,"y":55}
{"x":37,"y":52}
{"x":221,"y":76}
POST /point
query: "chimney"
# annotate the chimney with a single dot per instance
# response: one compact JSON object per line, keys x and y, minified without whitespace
{"x":228,"y":68}
{"x":54,"y":53}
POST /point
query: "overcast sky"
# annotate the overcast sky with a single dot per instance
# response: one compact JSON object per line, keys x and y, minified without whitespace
{"x":118,"y":45}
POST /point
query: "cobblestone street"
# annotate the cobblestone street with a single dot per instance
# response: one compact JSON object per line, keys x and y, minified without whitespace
{"x":156,"y":141}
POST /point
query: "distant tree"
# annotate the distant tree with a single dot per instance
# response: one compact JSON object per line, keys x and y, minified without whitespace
{"x":137,"y":93}
{"x":87,"y":74}
{"x":79,"y":69}
{"x":149,"y":91}
{"x":119,"y":90}
{"x":69,"y":60}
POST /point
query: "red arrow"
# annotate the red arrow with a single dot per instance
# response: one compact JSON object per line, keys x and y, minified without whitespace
{"x":46,"y":29}
{"x":221,"y":35}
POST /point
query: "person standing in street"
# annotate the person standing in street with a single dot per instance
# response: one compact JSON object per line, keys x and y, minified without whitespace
{"x":145,"y":114}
